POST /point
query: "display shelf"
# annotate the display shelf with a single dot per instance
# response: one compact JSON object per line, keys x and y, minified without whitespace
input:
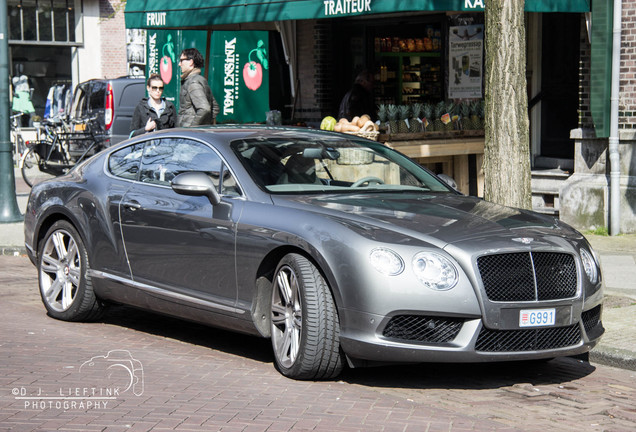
{"x":409,"y":54}
{"x":416,"y":75}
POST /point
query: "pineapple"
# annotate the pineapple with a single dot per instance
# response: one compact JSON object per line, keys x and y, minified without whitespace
{"x":440,"y":109}
{"x":427,"y":117}
{"x":474,"y":115}
{"x":450,"y":110}
{"x":403,"y":123}
{"x":392,"y":111}
{"x":415,"y":125}
{"x":464,"y":113}
{"x":383,"y":116}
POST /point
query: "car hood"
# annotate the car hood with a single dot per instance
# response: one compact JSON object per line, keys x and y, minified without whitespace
{"x":438,"y":218}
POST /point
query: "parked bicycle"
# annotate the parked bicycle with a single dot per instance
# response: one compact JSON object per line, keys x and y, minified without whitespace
{"x":60,"y":149}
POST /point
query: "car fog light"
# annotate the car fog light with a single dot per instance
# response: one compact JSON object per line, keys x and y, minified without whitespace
{"x":589,"y":265}
{"x":386,"y":261}
{"x":435,"y":271}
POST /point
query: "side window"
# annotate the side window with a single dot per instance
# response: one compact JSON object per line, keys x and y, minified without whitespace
{"x":97,"y":100}
{"x":164,"y":159}
{"x":124,"y":163}
{"x":78,"y":107}
{"x":228,"y":185}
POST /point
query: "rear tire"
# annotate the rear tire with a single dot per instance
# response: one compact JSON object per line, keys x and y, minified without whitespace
{"x":304,"y":322}
{"x":31,"y":169}
{"x":65,"y":285}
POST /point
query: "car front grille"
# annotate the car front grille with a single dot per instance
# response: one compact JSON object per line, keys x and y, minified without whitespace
{"x":528,"y":276}
{"x":527,"y":339}
{"x":422,"y":328}
{"x":591,"y":318}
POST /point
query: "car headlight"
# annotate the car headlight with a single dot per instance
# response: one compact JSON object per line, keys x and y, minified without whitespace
{"x":386,"y":261}
{"x":589,"y":265}
{"x":435,"y":271}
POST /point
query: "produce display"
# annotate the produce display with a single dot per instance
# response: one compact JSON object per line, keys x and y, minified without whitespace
{"x":361,"y":123}
{"x":428,"y":117}
{"x":414,"y":118}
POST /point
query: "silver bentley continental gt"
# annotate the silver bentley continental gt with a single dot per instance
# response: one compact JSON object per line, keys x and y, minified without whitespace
{"x":340,"y":250}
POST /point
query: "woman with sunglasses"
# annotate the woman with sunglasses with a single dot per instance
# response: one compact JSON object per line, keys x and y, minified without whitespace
{"x":153,"y":112}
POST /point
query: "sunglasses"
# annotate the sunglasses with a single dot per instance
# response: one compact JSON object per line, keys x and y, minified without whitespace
{"x":156,"y":88}
{"x":183,"y":59}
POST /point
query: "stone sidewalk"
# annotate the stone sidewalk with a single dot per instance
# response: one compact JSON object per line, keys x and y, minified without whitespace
{"x":618,"y":265}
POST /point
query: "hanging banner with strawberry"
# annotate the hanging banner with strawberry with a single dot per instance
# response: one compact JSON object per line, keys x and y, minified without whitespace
{"x":240,"y":75}
{"x":162,"y":51}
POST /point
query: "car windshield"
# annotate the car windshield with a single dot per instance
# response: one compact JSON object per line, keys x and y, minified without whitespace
{"x":332,"y":164}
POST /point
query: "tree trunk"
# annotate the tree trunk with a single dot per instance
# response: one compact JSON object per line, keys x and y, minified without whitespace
{"x":507,"y":143}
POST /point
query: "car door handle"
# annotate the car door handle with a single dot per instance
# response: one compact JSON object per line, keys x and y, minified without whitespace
{"x":132,"y":205}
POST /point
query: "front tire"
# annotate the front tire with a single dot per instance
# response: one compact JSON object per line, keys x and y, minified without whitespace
{"x":65,"y":286}
{"x":304,"y":322}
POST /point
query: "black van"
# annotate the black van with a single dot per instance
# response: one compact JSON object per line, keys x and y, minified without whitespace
{"x":113,"y":101}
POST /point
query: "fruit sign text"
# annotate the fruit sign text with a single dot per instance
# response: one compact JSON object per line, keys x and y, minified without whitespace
{"x":155,"y":18}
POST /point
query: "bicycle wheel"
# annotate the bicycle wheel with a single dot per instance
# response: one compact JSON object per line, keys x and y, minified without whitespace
{"x":31,"y":169}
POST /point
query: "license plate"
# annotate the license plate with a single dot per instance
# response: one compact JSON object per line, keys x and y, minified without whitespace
{"x":536,"y":317}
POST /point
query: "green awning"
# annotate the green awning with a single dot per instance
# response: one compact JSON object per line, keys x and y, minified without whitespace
{"x":201,"y":13}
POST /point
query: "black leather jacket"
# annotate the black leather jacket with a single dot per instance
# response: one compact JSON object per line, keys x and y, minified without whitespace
{"x":167,"y":120}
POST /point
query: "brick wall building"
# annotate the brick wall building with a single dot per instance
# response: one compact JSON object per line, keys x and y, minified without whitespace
{"x":627,"y":98}
{"x":586,"y":195}
{"x":113,"y":37}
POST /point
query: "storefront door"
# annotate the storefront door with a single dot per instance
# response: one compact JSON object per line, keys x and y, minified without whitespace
{"x":559,"y":83}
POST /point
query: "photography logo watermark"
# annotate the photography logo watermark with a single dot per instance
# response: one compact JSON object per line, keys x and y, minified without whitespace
{"x":104,"y":379}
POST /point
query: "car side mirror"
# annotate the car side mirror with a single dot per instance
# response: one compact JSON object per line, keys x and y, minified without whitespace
{"x":196,"y":183}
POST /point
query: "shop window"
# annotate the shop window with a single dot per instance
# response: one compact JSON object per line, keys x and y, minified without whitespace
{"x":29,"y":23}
{"x":41,"y":20}
{"x":63,"y":21}
{"x":44,"y":17}
{"x":15,"y":29}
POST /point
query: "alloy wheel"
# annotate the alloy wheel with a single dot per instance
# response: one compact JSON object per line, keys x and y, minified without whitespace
{"x":60,"y":271}
{"x":286,"y":316}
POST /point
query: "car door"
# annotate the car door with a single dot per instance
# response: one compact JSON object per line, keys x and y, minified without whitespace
{"x":180,"y":243}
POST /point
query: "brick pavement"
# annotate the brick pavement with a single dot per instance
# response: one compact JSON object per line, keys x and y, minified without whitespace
{"x":196,"y":378}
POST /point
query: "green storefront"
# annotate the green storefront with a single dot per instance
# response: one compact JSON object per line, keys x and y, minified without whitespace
{"x":195,"y":23}
{"x":314,"y":49}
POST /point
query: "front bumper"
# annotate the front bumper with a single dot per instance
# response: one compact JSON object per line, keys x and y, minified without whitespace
{"x":373,"y":338}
